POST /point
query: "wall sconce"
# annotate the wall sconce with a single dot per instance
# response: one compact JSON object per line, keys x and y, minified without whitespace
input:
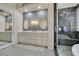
{"x":7,"y":25}
{"x":39,"y":7}
{"x":26,"y":24}
{"x":34,"y":22}
{"x":26,"y":10}
{"x":43,"y":24}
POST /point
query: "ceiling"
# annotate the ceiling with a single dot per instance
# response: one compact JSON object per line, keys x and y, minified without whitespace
{"x":4,"y":13}
{"x":13,"y":6}
{"x":19,"y":5}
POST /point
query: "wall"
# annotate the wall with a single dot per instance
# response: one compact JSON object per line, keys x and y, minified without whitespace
{"x":17,"y":25}
{"x":78,"y":19}
{"x":18,"y":21}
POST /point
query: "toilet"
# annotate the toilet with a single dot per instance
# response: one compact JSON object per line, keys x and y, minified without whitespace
{"x":75,"y":50}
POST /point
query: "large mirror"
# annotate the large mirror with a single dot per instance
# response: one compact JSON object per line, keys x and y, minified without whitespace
{"x":35,"y":20}
{"x":5,"y":27}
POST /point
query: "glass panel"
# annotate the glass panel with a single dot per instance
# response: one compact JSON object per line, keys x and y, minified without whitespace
{"x":67,"y":30}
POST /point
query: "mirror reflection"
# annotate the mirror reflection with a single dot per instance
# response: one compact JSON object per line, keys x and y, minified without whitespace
{"x":35,"y":20}
{"x":5,"y":27}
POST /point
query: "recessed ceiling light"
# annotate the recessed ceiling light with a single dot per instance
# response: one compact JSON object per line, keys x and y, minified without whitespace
{"x":39,"y":7}
{"x":26,"y":9}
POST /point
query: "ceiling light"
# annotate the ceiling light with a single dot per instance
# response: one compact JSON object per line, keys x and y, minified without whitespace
{"x":34,"y":22}
{"x":39,"y":7}
{"x":26,"y":10}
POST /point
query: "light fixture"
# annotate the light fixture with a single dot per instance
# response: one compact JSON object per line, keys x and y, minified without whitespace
{"x":7,"y":25}
{"x":34,"y":22}
{"x":26,"y":9}
{"x":39,"y":7}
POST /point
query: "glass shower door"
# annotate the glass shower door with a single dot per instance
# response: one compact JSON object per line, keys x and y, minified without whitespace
{"x":67,"y":30}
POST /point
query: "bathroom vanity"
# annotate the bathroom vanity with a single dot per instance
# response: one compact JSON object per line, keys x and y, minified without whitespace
{"x":37,"y":38}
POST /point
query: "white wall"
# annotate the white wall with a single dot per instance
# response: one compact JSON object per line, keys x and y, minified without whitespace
{"x":2,"y":23}
{"x":19,"y":21}
{"x":51,"y":26}
{"x":17,"y":25}
{"x":78,"y":19}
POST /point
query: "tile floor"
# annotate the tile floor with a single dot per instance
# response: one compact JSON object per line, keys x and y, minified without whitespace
{"x":26,"y":50}
{"x":64,"y":50}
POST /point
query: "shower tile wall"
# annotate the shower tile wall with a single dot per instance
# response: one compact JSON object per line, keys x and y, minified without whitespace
{"x":70,"y":21}
{"x":65,"y":20}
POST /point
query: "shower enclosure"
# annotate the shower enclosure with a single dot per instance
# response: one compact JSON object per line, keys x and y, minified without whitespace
{"x":67,"y":30}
